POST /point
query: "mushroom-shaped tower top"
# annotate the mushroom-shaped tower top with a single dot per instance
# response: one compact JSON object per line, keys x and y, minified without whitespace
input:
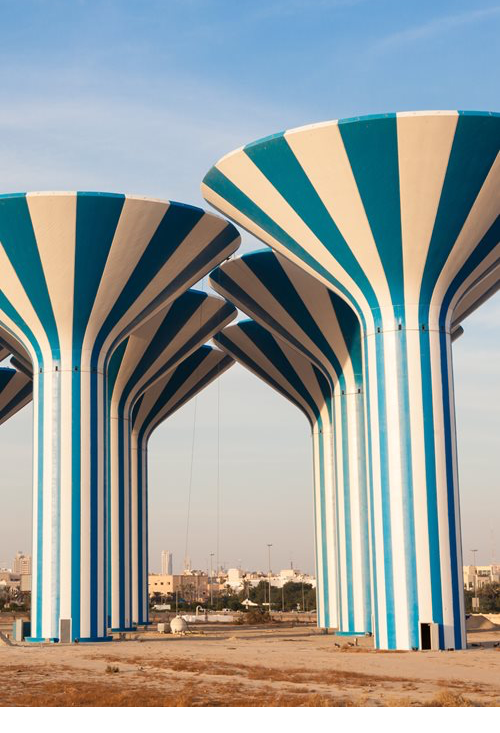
{"x":78,"y":270}
{"x":395,"y":210}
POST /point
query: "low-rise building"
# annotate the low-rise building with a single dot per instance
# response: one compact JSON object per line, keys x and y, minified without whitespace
{"x":191,"y":587}
{"x":476,"y":576}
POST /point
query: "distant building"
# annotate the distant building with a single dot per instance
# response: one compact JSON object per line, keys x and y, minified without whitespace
{"x":21,"y":564}
{"x":238,"y":579}
{"x":166,"y":562}
{"x":25,"y":586}
{"x":481,"y":574}
{"x":192,"y":587}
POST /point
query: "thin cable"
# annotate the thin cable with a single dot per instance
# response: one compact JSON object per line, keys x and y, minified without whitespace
{"x":190,"y":483}
{"x":218,"y":465}
{"x":190,"y":487}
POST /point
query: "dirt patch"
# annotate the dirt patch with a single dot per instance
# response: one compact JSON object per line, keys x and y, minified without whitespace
{"x":477,"y":621}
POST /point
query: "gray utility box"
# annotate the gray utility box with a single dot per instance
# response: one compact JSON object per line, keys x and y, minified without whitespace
{"x":65,"y":630}
{"x":21,"y":629}
{"x":429,"y":636}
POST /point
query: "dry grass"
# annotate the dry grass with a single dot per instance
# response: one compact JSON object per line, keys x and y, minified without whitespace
{"x":142,"y":687}
{"x":332,"y":677}
{"x":451,"y":699}
{"x":97,"y":694}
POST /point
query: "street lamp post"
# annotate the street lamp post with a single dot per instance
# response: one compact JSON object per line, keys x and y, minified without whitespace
{"x":211,"y":581}
{"x":269,"y":573}
{"x":475,"y":603}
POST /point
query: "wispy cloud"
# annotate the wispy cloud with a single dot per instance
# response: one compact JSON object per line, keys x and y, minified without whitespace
{"x":435,"y":27}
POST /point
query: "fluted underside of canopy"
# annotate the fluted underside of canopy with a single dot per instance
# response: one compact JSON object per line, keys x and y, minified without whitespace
{"x":16,"y":391}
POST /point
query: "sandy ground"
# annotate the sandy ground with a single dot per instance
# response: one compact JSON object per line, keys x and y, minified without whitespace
{"x":248,"y":666}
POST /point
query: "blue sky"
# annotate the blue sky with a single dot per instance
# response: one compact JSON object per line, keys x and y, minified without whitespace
{"x":143,"y":97}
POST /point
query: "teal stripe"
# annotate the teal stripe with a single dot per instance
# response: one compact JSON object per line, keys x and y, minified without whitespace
{"x":39,"y":514}
{"x":278,"y":164}
{"x":322,"y":485}
{"x":221,"y":185}
{"x":76,"y":530}
{"x":372,"y":148}
{"x":430,"y":480}
{"x":97,"y":217}
{"x":347,"y":623}
{"x":19,"y":242}
{"x":406,"y":458}
{"x":385,"y":493}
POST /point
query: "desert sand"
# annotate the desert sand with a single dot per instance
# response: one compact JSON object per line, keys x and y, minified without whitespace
{"x":249,"y":666}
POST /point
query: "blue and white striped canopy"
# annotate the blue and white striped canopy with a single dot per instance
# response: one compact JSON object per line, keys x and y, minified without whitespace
{"x":16,"y":391}
{"x":78,"y":270}
{"x":162,"y":343}
{"x":398,"y":212}
{"x":10,"y":345}
{"x":295,"y":307}
{"x":176,"y":388}
{"x":154,"y":406}
{"x":280,"y":366}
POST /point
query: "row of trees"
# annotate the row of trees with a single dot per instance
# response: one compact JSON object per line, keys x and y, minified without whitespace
{"x":14,"y":600}
{"x":489,"y":599}
{"x":292,"y":597}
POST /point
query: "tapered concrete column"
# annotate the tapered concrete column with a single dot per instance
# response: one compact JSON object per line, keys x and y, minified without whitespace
{"x":140,"y":360}
{"x":16,"y":391}
{"x":157,"y":403}
{"x":297,"y":379}
{"x":320,"y":325}
{"x":79,"y":272}
{"x":399,"y":214}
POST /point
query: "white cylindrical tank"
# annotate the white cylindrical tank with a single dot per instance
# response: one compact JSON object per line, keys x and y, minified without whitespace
{"x":178,"y":625}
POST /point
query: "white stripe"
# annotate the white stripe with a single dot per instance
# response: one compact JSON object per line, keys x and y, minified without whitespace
{"x":82,"y":408}
{"x":424,"y":147}
{"x":138,"y":222}
{"x":264,"y":195}
{"x":322,"y":155}
{"x":418,"y":477}
{"x":194,"y":243}
{"x":54,"y":226}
